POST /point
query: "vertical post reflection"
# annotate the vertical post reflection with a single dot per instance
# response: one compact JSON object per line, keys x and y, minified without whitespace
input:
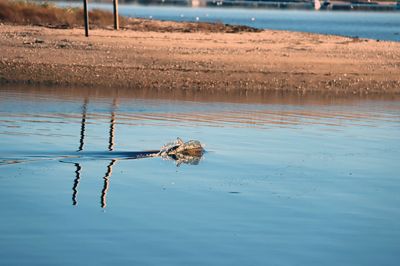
{"x":106,"y":185}
{"x":111,"y":143}
{"x":76,"y":183}
{"x":83,"y":124}
{"x":111,"y":140}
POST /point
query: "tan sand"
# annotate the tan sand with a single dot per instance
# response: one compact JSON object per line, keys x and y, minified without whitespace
{"x":267,"y":60}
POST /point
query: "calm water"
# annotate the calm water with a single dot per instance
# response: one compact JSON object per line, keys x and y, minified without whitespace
{"x":285,"y":181}
{"x":374,"y":25}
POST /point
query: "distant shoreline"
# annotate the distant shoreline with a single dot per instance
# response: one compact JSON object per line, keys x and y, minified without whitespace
{"x":207,"y":61}
{"x":332,"y":5}
{"x":385,"y":25}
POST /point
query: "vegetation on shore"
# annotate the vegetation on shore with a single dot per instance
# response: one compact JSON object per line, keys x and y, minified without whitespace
{"x":48,"y":15}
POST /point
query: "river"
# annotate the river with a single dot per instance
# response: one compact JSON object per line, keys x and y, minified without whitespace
{"x":286,"y":179}
{"x":373,"y":25}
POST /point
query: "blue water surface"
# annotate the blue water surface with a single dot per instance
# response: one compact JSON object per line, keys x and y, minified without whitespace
{"x":373,"y":25}
{"x":281,"y":183}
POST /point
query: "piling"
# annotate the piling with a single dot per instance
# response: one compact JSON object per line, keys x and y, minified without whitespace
{"x":115,"y":8}
{"x":86,"y":17}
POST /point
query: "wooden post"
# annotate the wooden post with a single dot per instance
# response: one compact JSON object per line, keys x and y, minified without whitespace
{"x":86,"y":17}
{"x":116,"y":21}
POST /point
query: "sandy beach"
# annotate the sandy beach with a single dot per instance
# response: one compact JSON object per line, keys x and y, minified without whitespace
{"x":162,"y":60}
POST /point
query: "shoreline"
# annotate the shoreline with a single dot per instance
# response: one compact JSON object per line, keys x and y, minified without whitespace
{"x":176,"y":94}
{"x":330,"y":5}
{"x":269,"y":60}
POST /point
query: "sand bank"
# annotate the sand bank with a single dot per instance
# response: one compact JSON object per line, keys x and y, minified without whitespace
{"x":246,"y":61}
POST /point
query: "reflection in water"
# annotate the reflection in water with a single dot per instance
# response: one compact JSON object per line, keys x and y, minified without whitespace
{"x":205,"y":96}
{"x":76,"y":183}
{"x":83,"y":124}
{"x":181,"y":152}
{"x":185,"y":159}
{"x":111,"y":142}
{"x":103,"y":200}
{"x":112,"y":127}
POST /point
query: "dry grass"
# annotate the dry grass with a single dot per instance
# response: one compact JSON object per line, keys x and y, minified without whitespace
{"x":25,"y":13}
{"x":48,"y":15}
